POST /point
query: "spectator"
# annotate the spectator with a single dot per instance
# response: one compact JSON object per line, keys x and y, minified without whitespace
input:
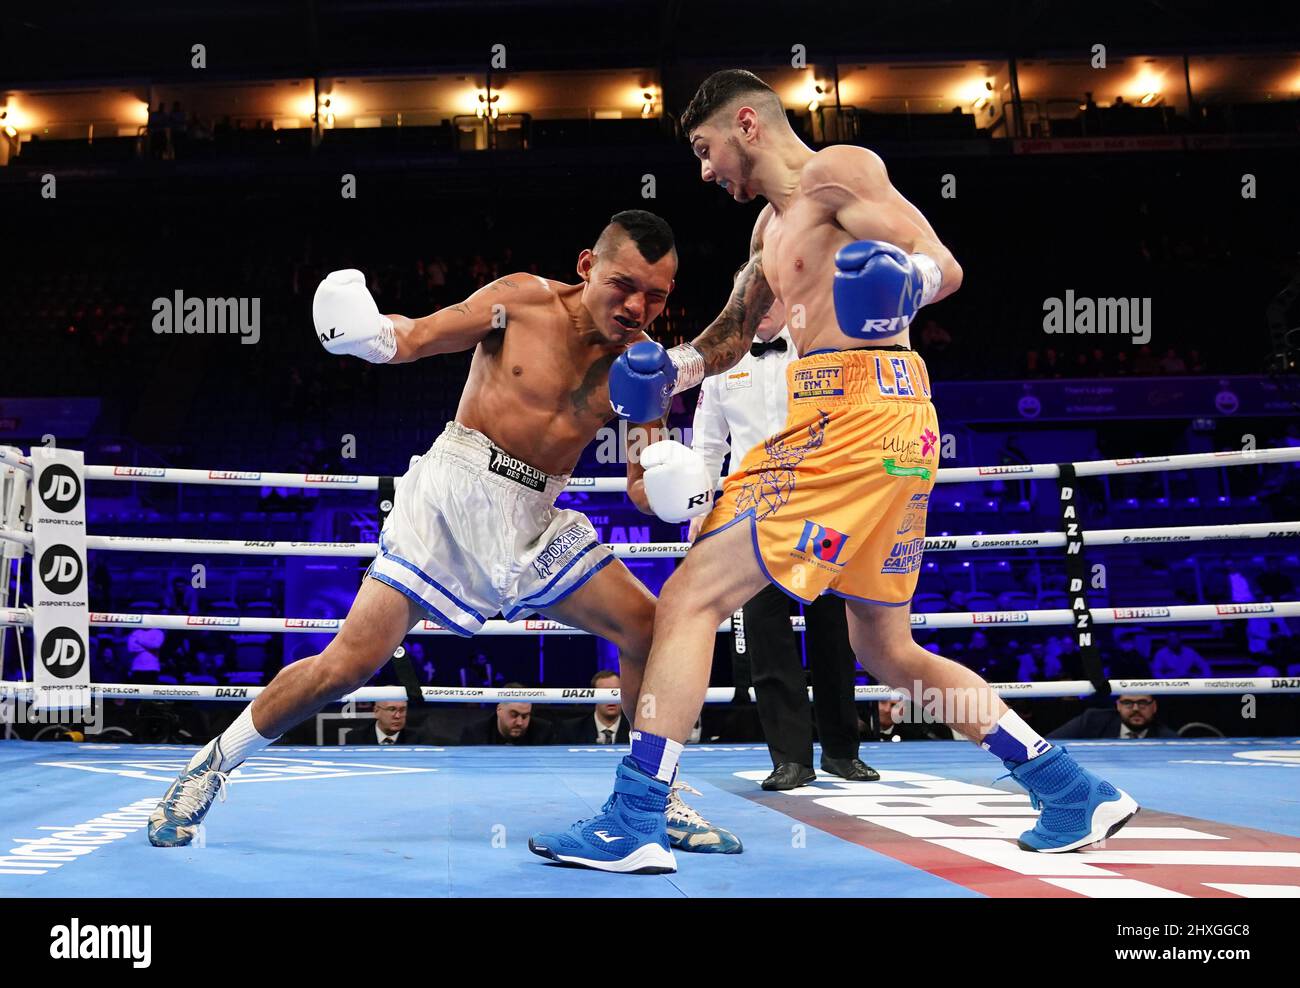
{"x":110,"y":668}
{"x":896,"y":721}
{"x":605,"y":725}
{"x":1127,"y":662}
{"x":1145,"y":364}
{"x":389,"y":726}
{"x":101,"y":584}
{"x":156,"y":131}
{"x":479,"y":672}
{"x":143,"y":646}
{"x":1037,"y":667}
{"x":1179,"y":661}
{"x":510,"y":723}
{"x":181,"y":598}
{"x":421,"y":663}
{"x":1091,"y":116}
{"x":1264,"y":634}
{"x":1133,"y":716}
{"x":1171,"y":363}
{"x":996,"y":667}
{"x":177,"y":122}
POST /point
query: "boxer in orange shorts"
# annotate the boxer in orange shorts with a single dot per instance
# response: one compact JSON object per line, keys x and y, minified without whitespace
{"x":837,"y":499}
{"x":836,"y":502}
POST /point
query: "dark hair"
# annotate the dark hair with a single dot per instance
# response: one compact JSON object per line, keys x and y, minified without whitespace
{"x":651,"y":234}
{"x":721,"y":88}
{"x":602,"y":674}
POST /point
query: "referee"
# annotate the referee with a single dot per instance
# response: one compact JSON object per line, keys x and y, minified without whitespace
{"x":749,"y":403}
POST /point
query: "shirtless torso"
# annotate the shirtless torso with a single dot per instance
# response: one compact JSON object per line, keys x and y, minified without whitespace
{"x":538,"y":388}
{"x":538,"y":382}
{"x":833,"y":197}
{"x":843,"y":195}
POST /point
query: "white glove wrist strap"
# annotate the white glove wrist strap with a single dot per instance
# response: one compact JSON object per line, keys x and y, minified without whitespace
{"x":383,"y":348}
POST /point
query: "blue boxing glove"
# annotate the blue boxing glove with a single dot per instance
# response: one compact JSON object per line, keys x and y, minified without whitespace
{"x":645,"y":377}
{"x":879,"y":288}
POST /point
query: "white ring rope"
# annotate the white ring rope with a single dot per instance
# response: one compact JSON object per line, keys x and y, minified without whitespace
{"x":610,"y":485}
{"x":1032,"y":618}
{"x":716,"y":694}
{"x":1045,"y":617}
{"x":675,"y":550}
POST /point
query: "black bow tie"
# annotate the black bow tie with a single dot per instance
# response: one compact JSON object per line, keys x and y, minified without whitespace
{"x":759,"y":348}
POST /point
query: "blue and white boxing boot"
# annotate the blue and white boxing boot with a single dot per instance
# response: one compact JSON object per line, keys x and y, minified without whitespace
{"x":1077,"y":808}
{"x":176,"y":820}
{"x":629,"y":835}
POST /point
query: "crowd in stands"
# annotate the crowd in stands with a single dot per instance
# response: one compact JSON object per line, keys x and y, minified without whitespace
{"x":79,"y":298}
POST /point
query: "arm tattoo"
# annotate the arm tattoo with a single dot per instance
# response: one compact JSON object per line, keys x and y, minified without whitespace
{"x":727,"y":338}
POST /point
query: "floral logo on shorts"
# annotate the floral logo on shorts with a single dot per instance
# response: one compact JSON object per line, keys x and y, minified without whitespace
{"x":928,"y":440}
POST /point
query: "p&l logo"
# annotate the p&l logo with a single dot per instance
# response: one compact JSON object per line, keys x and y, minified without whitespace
{"x":63,"y":653}
{"x":60,"y":489}
{"x":60,"y":569}
{"x":823,"y":543}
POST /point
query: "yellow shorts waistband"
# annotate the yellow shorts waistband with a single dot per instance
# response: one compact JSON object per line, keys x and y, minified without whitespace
{"x":859,"y":376}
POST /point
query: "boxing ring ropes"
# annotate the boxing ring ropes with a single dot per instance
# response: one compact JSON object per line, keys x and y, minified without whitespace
{"x":19,"y":617}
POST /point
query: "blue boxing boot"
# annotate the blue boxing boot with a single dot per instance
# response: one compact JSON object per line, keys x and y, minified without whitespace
{"x":629,"y":835}
{"x":1077,"y":808}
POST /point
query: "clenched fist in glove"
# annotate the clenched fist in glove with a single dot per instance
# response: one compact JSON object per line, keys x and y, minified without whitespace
{"x":678,"y":485}
{"x":348,"y":321}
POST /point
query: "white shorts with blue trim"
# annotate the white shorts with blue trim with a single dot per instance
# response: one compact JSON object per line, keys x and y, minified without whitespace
{"x":474,"y":532}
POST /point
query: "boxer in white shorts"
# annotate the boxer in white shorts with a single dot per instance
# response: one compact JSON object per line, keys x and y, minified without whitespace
{"x":474,"y":528}
{"x":475,"y":531}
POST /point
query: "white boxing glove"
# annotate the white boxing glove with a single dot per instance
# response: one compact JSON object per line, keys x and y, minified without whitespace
{"x":678,"y":485}
{"x":348,"y":321}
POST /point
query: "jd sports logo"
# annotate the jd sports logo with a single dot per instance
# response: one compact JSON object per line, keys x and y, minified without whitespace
{"x":60,"y":569}
{"x":63,"y":653}
{"x":60,"y":489}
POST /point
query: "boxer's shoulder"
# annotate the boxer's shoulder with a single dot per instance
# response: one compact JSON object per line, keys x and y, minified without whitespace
{"x":524,"y":287}
{"x":842,"y":169}
{"x":523,"y":300}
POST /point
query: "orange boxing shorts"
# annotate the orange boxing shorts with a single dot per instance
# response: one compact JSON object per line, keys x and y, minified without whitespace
{"x":837,"y":499}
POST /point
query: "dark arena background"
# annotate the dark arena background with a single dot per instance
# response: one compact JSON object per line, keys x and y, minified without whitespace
{"x":1116,"y":522}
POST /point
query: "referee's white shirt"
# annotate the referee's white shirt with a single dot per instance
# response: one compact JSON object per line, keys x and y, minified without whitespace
{"x":748,"y":402}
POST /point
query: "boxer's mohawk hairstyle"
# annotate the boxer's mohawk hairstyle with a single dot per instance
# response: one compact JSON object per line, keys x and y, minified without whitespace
{"x":720,"y":89}
{"x":651,"y":234}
